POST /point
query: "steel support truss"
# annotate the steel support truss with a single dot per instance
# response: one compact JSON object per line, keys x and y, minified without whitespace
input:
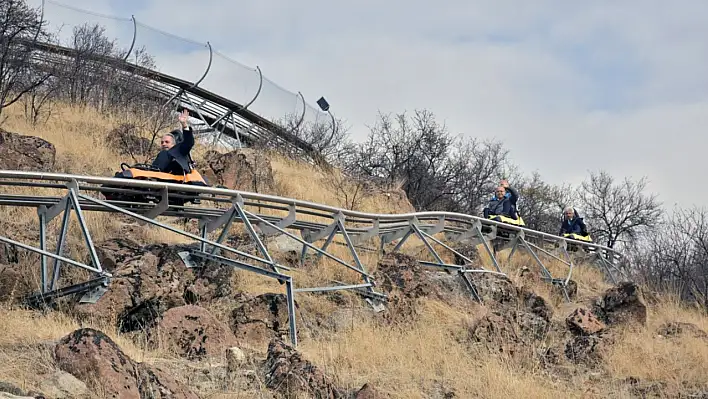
{"x":491,"y":237}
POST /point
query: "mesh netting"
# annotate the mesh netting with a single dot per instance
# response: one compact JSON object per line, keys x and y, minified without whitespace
{"x":173,"y":55}
{"x":64,"y":21}
{"x":231,"y":79}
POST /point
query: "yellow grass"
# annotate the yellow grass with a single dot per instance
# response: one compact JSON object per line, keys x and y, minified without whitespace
{"x":425,"y":357}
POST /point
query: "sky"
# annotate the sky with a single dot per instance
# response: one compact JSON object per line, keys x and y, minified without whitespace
{"x":569,"y":87}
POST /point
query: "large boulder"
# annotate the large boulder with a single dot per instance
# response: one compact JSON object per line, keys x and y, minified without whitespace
{"x":192,"y":332}
{"x":95,"y":359}
{"x":584,"y":322}
{"x":244,"y":169}
{"x":287,"y":373}
{"x":259,"y":319}
{"x":147,"y":281}
{"x":19,"y":152}
{"x":620,"y":305}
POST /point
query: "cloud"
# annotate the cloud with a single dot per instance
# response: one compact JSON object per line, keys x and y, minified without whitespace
{"x":569,"y":87}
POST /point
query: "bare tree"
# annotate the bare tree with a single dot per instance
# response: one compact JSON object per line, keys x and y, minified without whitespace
{"x":413,"y":150}
{"x":674,"y":256}
{"x":618,"y":212}
{"x":350,"y":190}
{"x":483,"y":165}
{"x":20,"y":27}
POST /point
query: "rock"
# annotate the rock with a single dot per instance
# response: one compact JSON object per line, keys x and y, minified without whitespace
{"x":126,"y":140}
{"x":672,"y":329}
{"x":62,"y":385}
{"x":497,"y":332}
{"x":622,"y":304}
{"x":192,"y":332}
{"x":243,"y":169}
{"x":583,"y":349}
{"x":95,"y":359}
{"x":584,"y":322}
{"x":13,"y":286}
{"x":287,"y":373}
{"x":368,"y":392}
{"x":400,"y":273}
{"x":150,"y":280}
{"x":495,"y":289}
{"x":468,"y":251}
{"x":259,"y":319}
{"x":7,"y":388}
{"x":19,"y":152}
{"x":404,"y":281}
{"x":235,"y":359}
{"x":536,"y":304}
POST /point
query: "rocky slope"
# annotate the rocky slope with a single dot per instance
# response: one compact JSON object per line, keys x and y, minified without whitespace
{"x":166,"y":331}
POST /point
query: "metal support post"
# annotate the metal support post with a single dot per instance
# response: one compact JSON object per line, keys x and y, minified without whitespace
{"x":43,"y":246}
{"x":60,"y":244}
{"x":252,"y":232}
{"x":290,"y":292}
{"x":483,"y":239}
{"x":84,"y":228}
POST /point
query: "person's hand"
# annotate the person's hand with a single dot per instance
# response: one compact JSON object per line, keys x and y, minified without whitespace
{"x":183,"y":118}
{"x":504,"y":183}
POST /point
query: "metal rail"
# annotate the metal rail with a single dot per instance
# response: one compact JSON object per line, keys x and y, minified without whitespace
{"x":54,"y":194}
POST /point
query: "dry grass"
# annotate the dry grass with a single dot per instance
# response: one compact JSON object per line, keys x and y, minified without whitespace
{"x":424,"y":358}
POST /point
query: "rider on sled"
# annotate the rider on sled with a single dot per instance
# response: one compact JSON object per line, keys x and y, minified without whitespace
{"x":174,"y":158}
{"x":502,"y":206}
{"x":573,"y":225}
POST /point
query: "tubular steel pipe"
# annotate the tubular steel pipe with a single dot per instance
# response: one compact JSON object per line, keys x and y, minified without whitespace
{"x":402,"y":218}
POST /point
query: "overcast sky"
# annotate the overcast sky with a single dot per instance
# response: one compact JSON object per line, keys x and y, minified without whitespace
{"x":567,"y":86}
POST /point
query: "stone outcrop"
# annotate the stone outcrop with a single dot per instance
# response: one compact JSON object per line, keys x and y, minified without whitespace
{"x":584,"y":322}
{"x":95,"y":359}
{"x":621,"y":305}
{"x":20,"y":152}
{"x":193,"y":333}
{"x":289,"y":374}
{"x":150,"y":280}
{"x":258,"y":319}
{"x":243,"y":169}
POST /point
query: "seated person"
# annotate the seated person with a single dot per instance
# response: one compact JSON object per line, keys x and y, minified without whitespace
{"x":573,"y":223}
{"x":503,"y":203}
{"x":174,"y":158}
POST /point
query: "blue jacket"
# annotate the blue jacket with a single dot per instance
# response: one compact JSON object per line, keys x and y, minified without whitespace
{"x":574,"y":226}
{"x":505,"y":206}
{"x":176,"y":160}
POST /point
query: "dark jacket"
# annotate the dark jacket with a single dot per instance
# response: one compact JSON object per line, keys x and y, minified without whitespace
{"x":505,"y":206}
{"x":574,"y":226}
{"x":177,"y":160}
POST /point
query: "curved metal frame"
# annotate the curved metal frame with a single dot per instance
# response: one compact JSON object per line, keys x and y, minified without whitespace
{"x":260,"y":86}
{"x":135,"y":36}
{"x":304,"y":110}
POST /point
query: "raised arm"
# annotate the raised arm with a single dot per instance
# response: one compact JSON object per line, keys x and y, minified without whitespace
{"x":187,"y":134}
{"x":514,"y":195}
{"x":187,"y":141}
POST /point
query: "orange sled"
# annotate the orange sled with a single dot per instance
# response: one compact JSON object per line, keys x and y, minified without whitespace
{"x":149,"y":173}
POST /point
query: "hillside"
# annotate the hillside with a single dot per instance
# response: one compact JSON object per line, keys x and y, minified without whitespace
{"x":433,"y":341}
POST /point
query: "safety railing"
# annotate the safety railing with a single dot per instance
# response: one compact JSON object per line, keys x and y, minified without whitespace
{"x":263,"y":217}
